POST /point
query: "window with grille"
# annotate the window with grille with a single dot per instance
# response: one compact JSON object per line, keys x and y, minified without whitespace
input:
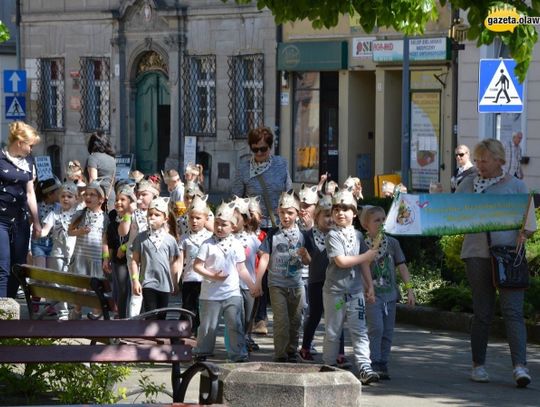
{"x":246,"y":93}
{"x":51,"y":91}
{"x":95,"y":92}
{"x":200,"y":95}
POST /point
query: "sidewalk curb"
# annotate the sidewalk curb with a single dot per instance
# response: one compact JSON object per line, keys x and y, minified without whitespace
{"x":434,"y":318}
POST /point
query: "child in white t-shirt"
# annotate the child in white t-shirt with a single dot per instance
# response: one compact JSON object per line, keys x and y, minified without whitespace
{"x":56,"y":224}
{"x":190,"y":243}
{"x":221,"y":262}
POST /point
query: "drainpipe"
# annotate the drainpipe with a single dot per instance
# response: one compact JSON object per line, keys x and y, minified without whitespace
{"x":405,"y":118}
{"x":455,"y":56}
{"x":181,"y":59}
{"x":18,"y":33}
{"x":277,"y":126}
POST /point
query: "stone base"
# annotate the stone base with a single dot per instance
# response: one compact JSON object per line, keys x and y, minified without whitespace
{"x":285,"y":384}
{"x":9,"y":309}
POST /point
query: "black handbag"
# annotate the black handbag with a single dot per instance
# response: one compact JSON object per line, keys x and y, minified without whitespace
{"x":510,"y":269}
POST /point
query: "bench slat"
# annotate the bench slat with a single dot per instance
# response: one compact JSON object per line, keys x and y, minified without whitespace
{"x":95,"y":353}
{"x":85,"y":298}
{"x":120,"y":328}
{"x":53,"y":276}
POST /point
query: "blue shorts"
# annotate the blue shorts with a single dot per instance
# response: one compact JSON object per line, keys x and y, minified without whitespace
{"x":41,"y":247}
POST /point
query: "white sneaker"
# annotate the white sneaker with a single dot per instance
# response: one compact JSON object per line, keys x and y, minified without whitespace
{"x":479,"y":374}
{"x":521,"y":376}
{"x":63,"y":315}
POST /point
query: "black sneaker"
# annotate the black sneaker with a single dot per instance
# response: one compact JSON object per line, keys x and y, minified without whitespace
{"x":368,"y":375}
{"x":381,"y":370}
{"x":251,"y":345}
{"x":383,"y":374}
{"x":292,"y":357}
{"x":281,"y":360}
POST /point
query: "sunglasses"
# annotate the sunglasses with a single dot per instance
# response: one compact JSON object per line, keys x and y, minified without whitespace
{"x":259,"y":149}
{"x":460,"y":154}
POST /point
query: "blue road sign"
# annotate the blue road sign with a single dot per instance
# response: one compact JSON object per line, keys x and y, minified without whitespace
{"x":499,"y":91}
{"x":15,"y":107}
{"x":14,"y":81}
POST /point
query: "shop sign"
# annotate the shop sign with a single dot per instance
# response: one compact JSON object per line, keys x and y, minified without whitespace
{"x":420,"y":49}
{"x":362,"y":47}
{"x":312,"y":56}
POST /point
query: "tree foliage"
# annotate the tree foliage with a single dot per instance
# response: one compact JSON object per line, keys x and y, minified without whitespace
{"x":411,"y":16}
{"x":4,"y":32}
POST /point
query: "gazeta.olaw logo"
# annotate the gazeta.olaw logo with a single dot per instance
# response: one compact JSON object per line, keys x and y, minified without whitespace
{"x":507,"y":18}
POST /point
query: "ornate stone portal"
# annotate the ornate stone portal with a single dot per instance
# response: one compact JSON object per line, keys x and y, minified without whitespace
{"x":151,"y":61}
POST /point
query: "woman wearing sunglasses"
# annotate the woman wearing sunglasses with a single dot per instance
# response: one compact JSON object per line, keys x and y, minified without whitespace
{"x":464,"y":166}
{"x":266,"y":175}
{"x":262,"y":164}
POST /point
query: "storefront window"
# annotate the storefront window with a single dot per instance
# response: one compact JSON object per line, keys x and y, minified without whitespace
{"x":306,"y":127}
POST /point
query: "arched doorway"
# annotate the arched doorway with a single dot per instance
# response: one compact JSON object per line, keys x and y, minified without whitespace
{"x":152,"y":114}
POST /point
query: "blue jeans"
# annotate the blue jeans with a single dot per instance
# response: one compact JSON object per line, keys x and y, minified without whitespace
{"x":483,"y":295}
{"x":14,"y":238}
{"x":41,"y":247}
{"x":381,"y":319}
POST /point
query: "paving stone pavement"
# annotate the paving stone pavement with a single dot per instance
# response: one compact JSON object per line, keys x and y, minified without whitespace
{"x":428,"y":368}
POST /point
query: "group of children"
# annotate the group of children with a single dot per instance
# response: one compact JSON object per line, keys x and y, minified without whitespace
{"x":316,"y":260}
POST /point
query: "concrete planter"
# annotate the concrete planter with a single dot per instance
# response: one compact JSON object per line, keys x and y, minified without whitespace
{"x":285,"y":384}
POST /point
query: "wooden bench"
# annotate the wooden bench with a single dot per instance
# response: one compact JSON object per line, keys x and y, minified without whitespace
{"x":158,"y":336}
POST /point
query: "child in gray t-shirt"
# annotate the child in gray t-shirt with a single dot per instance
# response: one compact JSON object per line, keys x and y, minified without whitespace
{"x":155,"y":260}
{"x":284,"y":253}
{"x":343,"y":297}
{"x":381,"y":315}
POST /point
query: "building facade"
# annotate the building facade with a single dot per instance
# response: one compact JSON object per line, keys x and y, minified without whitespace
{"x":166,"y":79}
{"x":341,"y":103}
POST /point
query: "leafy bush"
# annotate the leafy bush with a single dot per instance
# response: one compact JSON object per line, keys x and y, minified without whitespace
{"x":532,"y":300}
{"x":454,"y":267}
{"x":533,"y":249}
{"x":424,"y":280}
{"x":452,"y":298}
{"x":70,"y":383}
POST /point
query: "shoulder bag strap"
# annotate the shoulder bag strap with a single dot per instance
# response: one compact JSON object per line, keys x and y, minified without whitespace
{"x":267,"y":200}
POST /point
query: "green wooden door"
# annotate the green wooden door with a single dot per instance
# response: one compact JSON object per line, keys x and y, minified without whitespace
{"x":152,"y":93}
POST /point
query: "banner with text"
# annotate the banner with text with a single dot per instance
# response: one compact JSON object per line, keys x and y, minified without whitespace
{"x":453,"y":214}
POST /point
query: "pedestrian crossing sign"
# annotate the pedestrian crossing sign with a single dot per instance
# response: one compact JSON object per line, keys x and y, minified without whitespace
{"x":499,"y":91}
{"x":15,"y":107}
